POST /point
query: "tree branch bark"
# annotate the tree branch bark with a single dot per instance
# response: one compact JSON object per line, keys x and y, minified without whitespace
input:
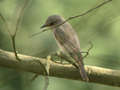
{"x":32,"y":64}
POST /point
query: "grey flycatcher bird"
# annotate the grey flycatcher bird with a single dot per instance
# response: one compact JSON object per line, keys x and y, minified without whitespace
{"x":67,"y":40}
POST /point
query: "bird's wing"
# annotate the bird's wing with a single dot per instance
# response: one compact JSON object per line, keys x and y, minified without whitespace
{"x":67,"y":38}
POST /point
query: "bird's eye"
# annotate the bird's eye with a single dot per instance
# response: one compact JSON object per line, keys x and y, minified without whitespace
{"x":52,"y":23}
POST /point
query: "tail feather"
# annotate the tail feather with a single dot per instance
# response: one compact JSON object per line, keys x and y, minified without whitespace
{"x":82,"y":71}
{"x":79,"y":60}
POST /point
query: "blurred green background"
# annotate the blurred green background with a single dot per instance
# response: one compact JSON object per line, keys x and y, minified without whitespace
{"x":101,"y":26}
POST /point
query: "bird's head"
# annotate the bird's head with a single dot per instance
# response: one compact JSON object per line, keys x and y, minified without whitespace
{"x":52,"y":21}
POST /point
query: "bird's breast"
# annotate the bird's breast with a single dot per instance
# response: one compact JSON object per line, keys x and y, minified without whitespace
{"x":67,"y":39}
{"x":60,"y":35}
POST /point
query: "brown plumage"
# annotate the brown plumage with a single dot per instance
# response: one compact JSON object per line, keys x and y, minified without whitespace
{"x":67,"y":40}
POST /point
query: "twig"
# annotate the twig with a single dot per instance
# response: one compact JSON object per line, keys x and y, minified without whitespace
{"x":18,"y":21}
{"x":90,"y":10}
{"x":5,"y":22}
{"x":12,"y":36}
{"x":87,"y":52}
{"x":34,"y":77}
{"x":45,"y":76}
{"x":14,"y":48}
{"x":46,"y":82}
{"x":73,"y":17}
{"x":19,"y":16}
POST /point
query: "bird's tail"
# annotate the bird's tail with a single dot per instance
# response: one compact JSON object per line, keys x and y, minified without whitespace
{"x":81,"y":68}
{"x":82,"y":71}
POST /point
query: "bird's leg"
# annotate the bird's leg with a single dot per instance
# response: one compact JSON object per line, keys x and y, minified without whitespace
{"x":68,"y":59}
{"x":55,"y":57}
{"x":64,"y":57}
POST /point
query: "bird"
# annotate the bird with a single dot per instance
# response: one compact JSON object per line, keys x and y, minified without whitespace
{"x":67,"y":40}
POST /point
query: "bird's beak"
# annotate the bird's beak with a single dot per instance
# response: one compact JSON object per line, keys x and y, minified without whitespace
{"x":43,"y":26}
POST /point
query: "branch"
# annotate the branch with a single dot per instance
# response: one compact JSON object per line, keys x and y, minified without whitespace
{"x":5,"y":23}
{"x":18,"y":21}
{"x":73,"y":17}
{"x":20,"y":14}
{"x":90,"y":10}
{"x":31,"y":64}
